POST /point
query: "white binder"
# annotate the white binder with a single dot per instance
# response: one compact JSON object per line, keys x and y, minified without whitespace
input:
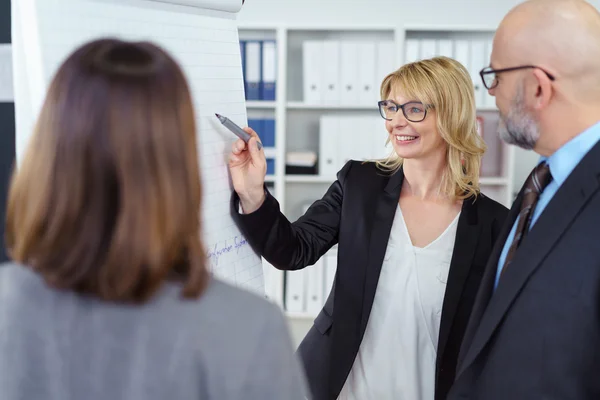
{"x":330,"y":267}
{"x":6,"y":74}
{"x":386,"y":61}
{"x":350,"y":141}
{"x":411,"y":50}
{"x":314,"y":288}
{"x":329,"y":142}
{"x":366,"y":137}
{"x":488,"y":101}
{"x":445,"y":48}
{"x":253,"y":69}
{"x":379,"y":149}
{"x":428,"y":49}
{"x":269,"y":69}
{"x":349,"y":82}
{"x":312,"y":51}
{"x":478,"y":54}
{"x":329,"y":65}
{"x":368,"y":87}
{"x":295,"y":291}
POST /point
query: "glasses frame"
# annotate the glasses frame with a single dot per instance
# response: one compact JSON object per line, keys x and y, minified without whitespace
{"x":401,"y":106}
{"x":490,"y":70}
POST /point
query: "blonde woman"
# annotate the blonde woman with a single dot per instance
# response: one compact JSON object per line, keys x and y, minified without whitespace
{"x":413,"y":231}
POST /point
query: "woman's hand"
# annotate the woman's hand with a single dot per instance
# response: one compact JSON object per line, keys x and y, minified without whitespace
{"x":248,"y":167}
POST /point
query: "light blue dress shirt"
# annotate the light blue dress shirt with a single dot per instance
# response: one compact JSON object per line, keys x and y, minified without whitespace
{"x":561,"y":164}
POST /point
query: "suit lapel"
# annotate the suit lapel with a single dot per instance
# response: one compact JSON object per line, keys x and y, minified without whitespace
{"x":380,"y":233}
{"x":467,"y":236}
{"x":486,"y":287}
{"x":554,"y":221}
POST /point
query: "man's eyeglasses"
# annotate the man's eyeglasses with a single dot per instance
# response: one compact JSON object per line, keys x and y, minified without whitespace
{"x":490,"y":78}
{"x":414,"y":111}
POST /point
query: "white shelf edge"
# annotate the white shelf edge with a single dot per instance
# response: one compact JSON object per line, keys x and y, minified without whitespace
{"x":493,"y":180}
{"x":270,"y":178}
{"x":298,"y":105}
{"x":450,"y":28}
{"x":246,"y":26}
{"x":309,"y":179}
{"x":300,"y":315}
{"x":317,"y":27}
{"x":484,"y":180}
{"x":260,"y":104}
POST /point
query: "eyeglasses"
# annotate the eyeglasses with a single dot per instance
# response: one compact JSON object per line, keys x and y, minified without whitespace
{"x":490,"y":78}
{"x":414,"y":111}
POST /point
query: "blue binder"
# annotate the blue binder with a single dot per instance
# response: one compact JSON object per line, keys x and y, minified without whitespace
{"x":268,"y":138}
{"x":259,"y":127}
{"x":270,"y":166}
{"x":268,"y":70}
{"x":253,"y":54}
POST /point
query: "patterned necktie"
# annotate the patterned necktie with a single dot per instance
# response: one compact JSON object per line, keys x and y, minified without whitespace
{"x":535,"y":184}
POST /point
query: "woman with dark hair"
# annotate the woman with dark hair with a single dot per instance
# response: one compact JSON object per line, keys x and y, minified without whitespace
{"x":109,"y":296}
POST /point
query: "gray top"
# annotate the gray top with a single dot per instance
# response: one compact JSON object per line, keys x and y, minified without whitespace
{"x":56,"y":345}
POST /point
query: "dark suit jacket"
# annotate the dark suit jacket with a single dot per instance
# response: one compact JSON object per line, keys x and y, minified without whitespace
{"x":357,"y":213}
{"x":538,"y":335}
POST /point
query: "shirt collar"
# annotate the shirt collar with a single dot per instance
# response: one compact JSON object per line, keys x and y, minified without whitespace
{"x":565,"y":159}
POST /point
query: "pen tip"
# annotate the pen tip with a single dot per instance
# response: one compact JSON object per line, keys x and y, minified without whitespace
{"x":217,"y":115}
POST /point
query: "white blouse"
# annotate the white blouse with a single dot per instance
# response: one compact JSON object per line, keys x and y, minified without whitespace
{"x":396,"y":359}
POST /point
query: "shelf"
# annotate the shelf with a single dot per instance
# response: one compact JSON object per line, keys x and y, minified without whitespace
{"x":449,"y":28}
{"x":484,"y":180}
{"x":310,"y":179}
{"x":299,"y":315}
{"x":258,"y":104}
{"x":493,"y":180}
{"x":297,"y":105}
{"x":298,"y":129}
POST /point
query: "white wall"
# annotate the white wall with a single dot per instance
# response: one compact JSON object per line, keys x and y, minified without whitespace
{"x":461,"y":14}
{"x":371,"y":12}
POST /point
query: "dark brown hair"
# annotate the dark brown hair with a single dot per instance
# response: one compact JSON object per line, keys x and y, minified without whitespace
{"x":107,"y":198}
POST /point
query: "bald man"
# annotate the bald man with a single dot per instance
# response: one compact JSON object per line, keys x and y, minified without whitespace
{"x":534,"y":332}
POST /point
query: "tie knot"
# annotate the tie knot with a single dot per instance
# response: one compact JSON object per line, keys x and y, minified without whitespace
{"x":539,"y":178}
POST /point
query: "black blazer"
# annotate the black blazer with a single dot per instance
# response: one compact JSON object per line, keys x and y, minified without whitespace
{"x":357,"y":213}
{"x":538,"y":335}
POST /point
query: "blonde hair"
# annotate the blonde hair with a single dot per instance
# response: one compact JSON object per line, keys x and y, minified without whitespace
{"x":445,"y":85}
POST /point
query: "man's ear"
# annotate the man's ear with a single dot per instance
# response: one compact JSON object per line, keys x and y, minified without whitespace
{"x":543,"y":90}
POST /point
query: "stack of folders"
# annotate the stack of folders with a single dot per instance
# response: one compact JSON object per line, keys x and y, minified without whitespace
{"x":307,"y":289}
{"x":345,"y":72}
{"x":473,"y":54}
{"x":301,"y":163}
{"x":266,"y":131}
{"x":344,"y":138}
{"x":259,"y":66}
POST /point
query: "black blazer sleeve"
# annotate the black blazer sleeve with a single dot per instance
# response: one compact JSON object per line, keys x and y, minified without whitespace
{"x":294,"y":245}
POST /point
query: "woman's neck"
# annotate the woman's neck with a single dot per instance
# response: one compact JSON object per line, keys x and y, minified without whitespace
{"x":423,"y":177}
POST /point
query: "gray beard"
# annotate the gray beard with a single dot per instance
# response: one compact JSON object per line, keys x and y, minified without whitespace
{"x":518,"y":127}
